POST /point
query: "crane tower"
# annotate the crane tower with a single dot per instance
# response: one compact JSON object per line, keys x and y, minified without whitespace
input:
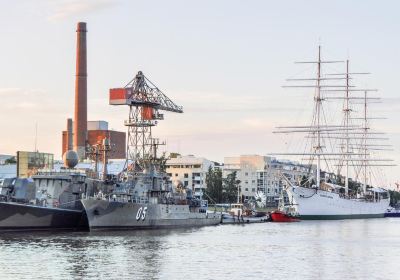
{"x":145,"y":103}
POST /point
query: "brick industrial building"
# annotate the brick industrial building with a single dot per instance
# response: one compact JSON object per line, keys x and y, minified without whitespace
{"x":96,"y":132}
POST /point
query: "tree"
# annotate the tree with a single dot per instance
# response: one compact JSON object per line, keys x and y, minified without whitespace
{"x":10,"y":160}
{"x":214,"y":185}
{"x":230,"y":188}
{"x":394,"y":198}
{"x":174,"y":155}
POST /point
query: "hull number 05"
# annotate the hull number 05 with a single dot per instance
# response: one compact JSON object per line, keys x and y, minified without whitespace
{"x":141,"y":213}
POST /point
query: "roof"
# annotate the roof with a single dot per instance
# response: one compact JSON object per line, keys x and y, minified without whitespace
{"x":187,"y":160}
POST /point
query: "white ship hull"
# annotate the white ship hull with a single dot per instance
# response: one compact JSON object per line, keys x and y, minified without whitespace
{"x":323,"y":205}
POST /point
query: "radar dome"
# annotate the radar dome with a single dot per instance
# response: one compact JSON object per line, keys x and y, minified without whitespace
{"x":70,"y":159}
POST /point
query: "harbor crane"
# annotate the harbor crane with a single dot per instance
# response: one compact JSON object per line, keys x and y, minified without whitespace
{"x":145,"y":101}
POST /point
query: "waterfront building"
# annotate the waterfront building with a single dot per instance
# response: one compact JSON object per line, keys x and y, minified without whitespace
{"x":246,"y":167}
{"x":190,"y":171}
{"x":262,"y":173}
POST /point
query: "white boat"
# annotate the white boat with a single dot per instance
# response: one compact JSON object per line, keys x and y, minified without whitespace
{"x":316,"y":198}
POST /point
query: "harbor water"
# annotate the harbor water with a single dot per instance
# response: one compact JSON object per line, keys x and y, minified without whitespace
{"x":356,"y":249}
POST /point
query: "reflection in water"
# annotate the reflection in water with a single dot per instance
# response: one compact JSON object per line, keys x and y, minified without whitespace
{"x":359,"y":249}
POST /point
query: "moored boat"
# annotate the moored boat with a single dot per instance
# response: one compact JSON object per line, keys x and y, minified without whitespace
{"x":282,"y":217}
{"x":346,"y":149}
{"x":47,"y":201}
{"x":392,"y":212}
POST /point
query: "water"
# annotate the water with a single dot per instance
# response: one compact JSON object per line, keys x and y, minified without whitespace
{"x":357,"y":249}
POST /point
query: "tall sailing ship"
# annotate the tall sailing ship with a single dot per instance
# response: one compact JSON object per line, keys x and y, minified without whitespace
{"x":345,"y":149}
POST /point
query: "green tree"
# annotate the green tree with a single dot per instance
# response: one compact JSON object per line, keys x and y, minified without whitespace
{"x":394,"y":198}
{"x":10,"y":160}
{"x":230,"y":188}
{"x":214,"y":185}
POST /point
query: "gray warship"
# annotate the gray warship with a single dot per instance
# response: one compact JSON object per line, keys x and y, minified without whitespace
{"x":143,"y":197}
{"x":48,"y":200}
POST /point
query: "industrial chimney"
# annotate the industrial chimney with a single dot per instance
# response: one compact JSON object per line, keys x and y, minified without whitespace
{"x":80,"y":121}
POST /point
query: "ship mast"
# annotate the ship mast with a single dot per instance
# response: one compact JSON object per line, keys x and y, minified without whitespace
{"x":318,"y":104}
{"x":353,"y":153}
{"x":318,"y":128}
{"x":364,"y":144}
{"x":347,"y":113}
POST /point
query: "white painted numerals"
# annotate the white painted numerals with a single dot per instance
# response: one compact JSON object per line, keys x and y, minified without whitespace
{"x":141,"y":213}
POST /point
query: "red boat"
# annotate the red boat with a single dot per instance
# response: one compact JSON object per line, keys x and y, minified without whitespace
{"x":282,"y":217}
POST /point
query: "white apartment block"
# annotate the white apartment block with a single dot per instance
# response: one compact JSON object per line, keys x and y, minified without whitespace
{"x":246,"y":167}
{"x":262,"y":173}
{"x":190,"y":171}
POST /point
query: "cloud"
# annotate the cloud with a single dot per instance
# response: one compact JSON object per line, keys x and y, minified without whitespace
{"x":25,"y":105}
{"x":13,"y":92}
{"x":8,"y":91}
{"x":70,"y":8}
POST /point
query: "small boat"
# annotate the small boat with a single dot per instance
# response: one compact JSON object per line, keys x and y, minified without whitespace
{"x":282,"y":217}
{"x":240,"y":213}
{"x":392,"y":212}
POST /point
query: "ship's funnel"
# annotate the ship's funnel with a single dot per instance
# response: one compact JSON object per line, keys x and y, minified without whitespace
{"x":80,"y":121}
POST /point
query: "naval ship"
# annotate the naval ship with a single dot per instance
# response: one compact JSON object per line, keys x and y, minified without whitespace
{"x":143,"y":197}
{"x":46,"y":201}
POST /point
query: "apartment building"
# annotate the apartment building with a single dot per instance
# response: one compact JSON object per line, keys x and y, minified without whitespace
{"x":263,"y":173}
{"x":190,"y":171}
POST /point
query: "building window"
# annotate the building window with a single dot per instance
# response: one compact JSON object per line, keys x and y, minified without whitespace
{"x":246,"y":174}
{"x":186,"y":183}
{"x":169,"y":174}
{"x":246,"y":189}
{"x":186,"y":175}
{"x":176,"y":174}
{"x":253,"y":189}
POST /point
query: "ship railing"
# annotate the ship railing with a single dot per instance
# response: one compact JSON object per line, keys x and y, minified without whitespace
{"x":125,"y":198}
{"x":60,"y":172}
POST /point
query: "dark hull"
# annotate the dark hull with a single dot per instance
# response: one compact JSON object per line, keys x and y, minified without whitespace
{"x":396,"y":215}
{"x":22,"y":217}
{"x":340,"y":217}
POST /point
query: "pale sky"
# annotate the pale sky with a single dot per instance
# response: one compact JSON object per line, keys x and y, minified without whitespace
{"x":223,"y":61}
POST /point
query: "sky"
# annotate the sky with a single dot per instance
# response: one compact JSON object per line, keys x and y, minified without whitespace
{"x":224,"y":61}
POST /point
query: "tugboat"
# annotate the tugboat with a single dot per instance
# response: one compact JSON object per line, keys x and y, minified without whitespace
{"x":143,"y":197}
{"x":285,"y":213}
{"x":282,"y":217}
